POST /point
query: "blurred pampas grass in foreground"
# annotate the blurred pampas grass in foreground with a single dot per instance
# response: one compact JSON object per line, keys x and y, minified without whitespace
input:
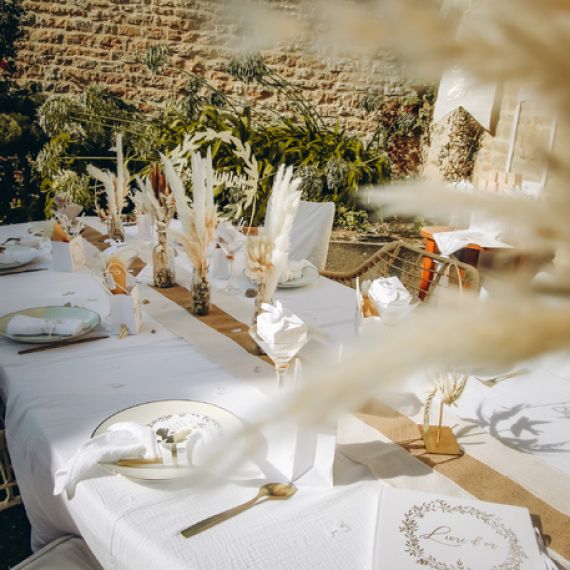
{"x":520,"y":41}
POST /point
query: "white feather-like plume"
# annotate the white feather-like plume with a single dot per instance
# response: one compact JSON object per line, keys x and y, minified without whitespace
{"x":281,"y":211}
{"x":116,"y":186}
{"x":199,"y":220}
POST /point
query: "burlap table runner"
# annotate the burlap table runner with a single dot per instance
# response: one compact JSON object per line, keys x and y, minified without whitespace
{"x":475,"y":477}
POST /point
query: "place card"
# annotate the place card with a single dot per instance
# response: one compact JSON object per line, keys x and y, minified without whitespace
{"x":126,"y":310}
{"x":417,"y":529}
{"x":68,"y":256}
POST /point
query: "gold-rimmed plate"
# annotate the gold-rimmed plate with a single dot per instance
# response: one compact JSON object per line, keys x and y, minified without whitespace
{"x":89,"y":318}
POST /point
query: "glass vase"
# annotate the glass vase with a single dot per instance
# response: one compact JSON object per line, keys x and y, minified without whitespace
{"x":200,"y":293}
{"x":115,"y":228}
{"x":163,"y":263}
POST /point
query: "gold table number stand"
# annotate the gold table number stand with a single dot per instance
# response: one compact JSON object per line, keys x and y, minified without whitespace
{"x":440,"y":440}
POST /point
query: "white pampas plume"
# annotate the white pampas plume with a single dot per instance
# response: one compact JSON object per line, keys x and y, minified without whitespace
{"x":199,"y":221}
{"x":281,"y":210}
{"x":116,"y":186}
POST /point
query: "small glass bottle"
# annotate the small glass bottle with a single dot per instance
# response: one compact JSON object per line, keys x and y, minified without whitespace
{"x":200,"y":292}
{"x":163,"y":263}
{"x":116,"y":230}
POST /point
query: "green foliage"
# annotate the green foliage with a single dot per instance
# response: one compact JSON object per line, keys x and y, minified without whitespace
{"x":353,"y":220}
{"x":11,"y":15}
{"x":403,"y":119}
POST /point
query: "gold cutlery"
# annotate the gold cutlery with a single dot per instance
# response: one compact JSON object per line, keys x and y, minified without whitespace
{"x":138,"y":462}
{"x":61,"y":344}
{"x":271,"y":491}
{"x":490,"y":382}
{"x":23,"y":271}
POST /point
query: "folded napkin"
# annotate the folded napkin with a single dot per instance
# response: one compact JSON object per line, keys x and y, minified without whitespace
{"x":125,"y":440}
{"x":23,"y":325}
{"x":295,"y":270}
{"x":276,"y":325}
{"x":450,"y":242}
{"x":28,"y":241}
{"x":389,"y":291}
{"x":16,"y":255}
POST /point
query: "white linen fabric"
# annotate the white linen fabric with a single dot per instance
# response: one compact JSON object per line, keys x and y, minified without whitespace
{"x":450,"y":242}
{"x":295,"y":270}
{"x":389,"y":291}
{"x":276,"y":325}
{"x":311,"y":233}
{"x":56,"y":399}
{"x":16,"y":255}
{"x":23,"y":325}
{"x":124,"y":440}
{"x":66,"y":553}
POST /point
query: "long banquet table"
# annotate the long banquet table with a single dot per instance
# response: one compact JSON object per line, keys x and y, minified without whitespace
{"x":515,"y":435}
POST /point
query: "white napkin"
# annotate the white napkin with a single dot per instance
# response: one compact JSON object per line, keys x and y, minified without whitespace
{"x":16,"y":255}
{"x":276,"y":325}
{"x":23,"y":325}
{"x":389,"y":291}
{"x":125,"y":440}
{"x":295,"y":270}
{"x":28,"y":241}
{"x":450,"y":242}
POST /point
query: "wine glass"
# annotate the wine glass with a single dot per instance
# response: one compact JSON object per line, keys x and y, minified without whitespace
{"x":281,"y":353}
{"x":230,"y":249}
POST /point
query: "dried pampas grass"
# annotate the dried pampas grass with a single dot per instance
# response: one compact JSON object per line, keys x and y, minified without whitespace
{"x":199,"y":221}
{"x":116,"y":186}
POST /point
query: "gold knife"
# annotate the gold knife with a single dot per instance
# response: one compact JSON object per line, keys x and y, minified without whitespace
{"x":61,"y":344}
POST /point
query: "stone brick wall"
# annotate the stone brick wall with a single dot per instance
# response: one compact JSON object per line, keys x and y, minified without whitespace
{"x":71,"y":43}
{"x":533,"y":133}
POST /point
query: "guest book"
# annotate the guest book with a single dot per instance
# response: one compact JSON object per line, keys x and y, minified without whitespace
{"x":420,"y":530}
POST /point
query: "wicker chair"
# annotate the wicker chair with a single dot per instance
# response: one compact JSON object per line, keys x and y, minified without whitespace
{"x":9,"y":496}
{"x":415,"y":267}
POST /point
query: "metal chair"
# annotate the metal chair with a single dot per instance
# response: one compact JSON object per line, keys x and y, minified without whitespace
{"x":420,"y":271}
{"x":9,"y":495}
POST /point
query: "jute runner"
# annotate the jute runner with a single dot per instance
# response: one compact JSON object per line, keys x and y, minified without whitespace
{"x":216,"y":319}
{"x":475,"y":477}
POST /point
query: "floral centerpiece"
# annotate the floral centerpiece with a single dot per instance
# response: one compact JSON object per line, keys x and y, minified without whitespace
{"x":198,"y":222}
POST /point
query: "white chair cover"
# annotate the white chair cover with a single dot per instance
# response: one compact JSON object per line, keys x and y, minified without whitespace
{"x":67,"y":553}
{"x":311,"y":233}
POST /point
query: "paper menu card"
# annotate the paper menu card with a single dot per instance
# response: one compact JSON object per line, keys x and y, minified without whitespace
{"x":420,"y":530}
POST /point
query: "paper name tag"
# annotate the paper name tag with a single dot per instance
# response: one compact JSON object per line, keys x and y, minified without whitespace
{"x":68,"y":256}
{"x":430,"y":531}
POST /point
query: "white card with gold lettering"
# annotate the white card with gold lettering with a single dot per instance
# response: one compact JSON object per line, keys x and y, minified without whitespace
{"x":418,"y":530}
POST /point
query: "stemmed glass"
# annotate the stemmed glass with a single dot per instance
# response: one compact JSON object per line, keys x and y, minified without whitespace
{"x":230,"y":249}
{"x":280,"y":353}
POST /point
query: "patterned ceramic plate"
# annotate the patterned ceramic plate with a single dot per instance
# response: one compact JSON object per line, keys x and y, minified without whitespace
{"x":170,"y":413}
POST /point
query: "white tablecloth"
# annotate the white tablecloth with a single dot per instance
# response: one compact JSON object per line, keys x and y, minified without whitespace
{"x":55,"y":399}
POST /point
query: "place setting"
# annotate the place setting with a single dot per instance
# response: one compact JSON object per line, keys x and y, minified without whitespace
{"x":284,"y":286}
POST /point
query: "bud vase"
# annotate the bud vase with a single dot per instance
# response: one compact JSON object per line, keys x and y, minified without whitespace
{"x":200,"y":293}
{"x":163,"y":262}
{"x":115,"y":229}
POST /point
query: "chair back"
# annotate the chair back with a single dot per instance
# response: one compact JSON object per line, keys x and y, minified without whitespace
{"x":311,"y":233}
{"x":421,"y":272}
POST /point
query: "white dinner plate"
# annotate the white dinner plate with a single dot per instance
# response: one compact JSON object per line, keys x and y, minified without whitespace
{"x":90,"y":320}
{"x":24,"y":253}
{"x":147,"y":414}
{"x":308,"y":277}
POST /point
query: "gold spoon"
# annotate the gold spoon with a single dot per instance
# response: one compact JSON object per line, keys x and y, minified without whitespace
{"x":271,"y":491}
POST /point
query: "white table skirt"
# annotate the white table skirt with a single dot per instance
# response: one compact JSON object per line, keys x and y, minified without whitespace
{"x":55,"y":399}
